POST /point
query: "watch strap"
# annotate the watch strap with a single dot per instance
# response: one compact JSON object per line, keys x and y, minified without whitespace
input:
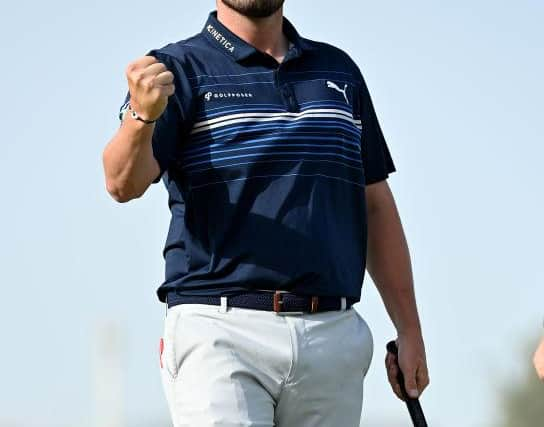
{"x":128,"y":109}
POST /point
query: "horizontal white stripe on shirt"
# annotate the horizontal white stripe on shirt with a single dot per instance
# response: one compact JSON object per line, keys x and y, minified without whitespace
{"x":230,"y":119}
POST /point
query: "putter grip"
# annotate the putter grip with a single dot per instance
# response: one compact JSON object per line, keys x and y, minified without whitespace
{"x":414,"y":407}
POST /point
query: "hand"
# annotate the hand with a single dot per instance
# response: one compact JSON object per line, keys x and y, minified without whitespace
{"x":150,"y":84}
{"x":538,"y":360}
{"x":412,"y":363}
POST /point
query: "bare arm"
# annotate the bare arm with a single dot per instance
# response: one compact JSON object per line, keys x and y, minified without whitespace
{"x":388,"y":263}
{"x":388,"y":259}
{"x":129,"y":164}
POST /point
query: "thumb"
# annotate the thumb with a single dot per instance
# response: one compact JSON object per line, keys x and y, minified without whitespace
{"x":411,"y":384}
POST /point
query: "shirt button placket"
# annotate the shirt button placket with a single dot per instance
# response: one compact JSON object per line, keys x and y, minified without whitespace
{"x":286,"y":91}
{"x":289,"y":99}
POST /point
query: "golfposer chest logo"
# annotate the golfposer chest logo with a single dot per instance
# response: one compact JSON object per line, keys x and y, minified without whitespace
{"x":208,"y":96}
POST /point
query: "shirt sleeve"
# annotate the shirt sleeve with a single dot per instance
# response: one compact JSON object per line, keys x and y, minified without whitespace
{"x":376,"y":158}
{"x":172,"y":127}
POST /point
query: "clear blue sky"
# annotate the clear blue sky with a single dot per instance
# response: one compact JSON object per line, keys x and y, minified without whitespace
{"x":458,"y":89}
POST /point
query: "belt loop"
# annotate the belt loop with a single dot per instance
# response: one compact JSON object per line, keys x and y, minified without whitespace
{"x":278,"y":301}
{"x":343,"y":303}
{"x":223,"y":307}
{"x":315,"y":304}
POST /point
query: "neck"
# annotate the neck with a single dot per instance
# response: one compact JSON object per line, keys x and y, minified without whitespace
{"x":265,"y":34}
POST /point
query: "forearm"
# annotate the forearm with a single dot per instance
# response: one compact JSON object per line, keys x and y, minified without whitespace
{"x":129,"y":165}
{"x":388,"y":262}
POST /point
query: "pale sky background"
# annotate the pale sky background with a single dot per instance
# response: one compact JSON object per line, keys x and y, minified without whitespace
{"x":458,"y":90}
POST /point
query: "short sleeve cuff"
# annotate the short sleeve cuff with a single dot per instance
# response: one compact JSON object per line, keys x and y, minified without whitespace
{"x":383,"y":174}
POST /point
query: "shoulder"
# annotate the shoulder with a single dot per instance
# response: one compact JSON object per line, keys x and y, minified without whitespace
{"x":335,"y":56}
{"x":182,"y":52}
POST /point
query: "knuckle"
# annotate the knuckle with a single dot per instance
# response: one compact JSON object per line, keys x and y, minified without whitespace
{"x":129,"y":69}
{"x":149,"y":83}
{"x":137,"y":76}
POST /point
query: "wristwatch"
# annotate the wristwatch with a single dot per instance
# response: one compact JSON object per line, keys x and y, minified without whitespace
{"x":127,"y":108}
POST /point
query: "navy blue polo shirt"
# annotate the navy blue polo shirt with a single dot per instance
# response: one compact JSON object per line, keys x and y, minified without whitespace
{"x":265,"y":164}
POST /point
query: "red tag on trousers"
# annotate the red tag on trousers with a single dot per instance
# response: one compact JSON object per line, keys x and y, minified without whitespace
{"x":161,"y":349}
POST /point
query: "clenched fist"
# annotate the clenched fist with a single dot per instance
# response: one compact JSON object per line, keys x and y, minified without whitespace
{"x":150,"y":85}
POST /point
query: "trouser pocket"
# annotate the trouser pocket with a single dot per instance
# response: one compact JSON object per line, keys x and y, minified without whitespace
{"x":167,"y":345}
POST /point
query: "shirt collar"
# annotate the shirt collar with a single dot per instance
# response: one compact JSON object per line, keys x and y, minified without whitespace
{"x":224,"y":39}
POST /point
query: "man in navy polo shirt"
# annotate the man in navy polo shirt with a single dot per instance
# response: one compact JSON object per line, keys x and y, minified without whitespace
{"x":276,"y":168}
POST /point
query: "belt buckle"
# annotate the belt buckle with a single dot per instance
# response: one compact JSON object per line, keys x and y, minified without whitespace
{"x":278,"y":304}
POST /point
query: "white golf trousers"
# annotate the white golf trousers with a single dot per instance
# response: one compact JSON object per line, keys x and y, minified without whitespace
{"x":242,"y":367}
